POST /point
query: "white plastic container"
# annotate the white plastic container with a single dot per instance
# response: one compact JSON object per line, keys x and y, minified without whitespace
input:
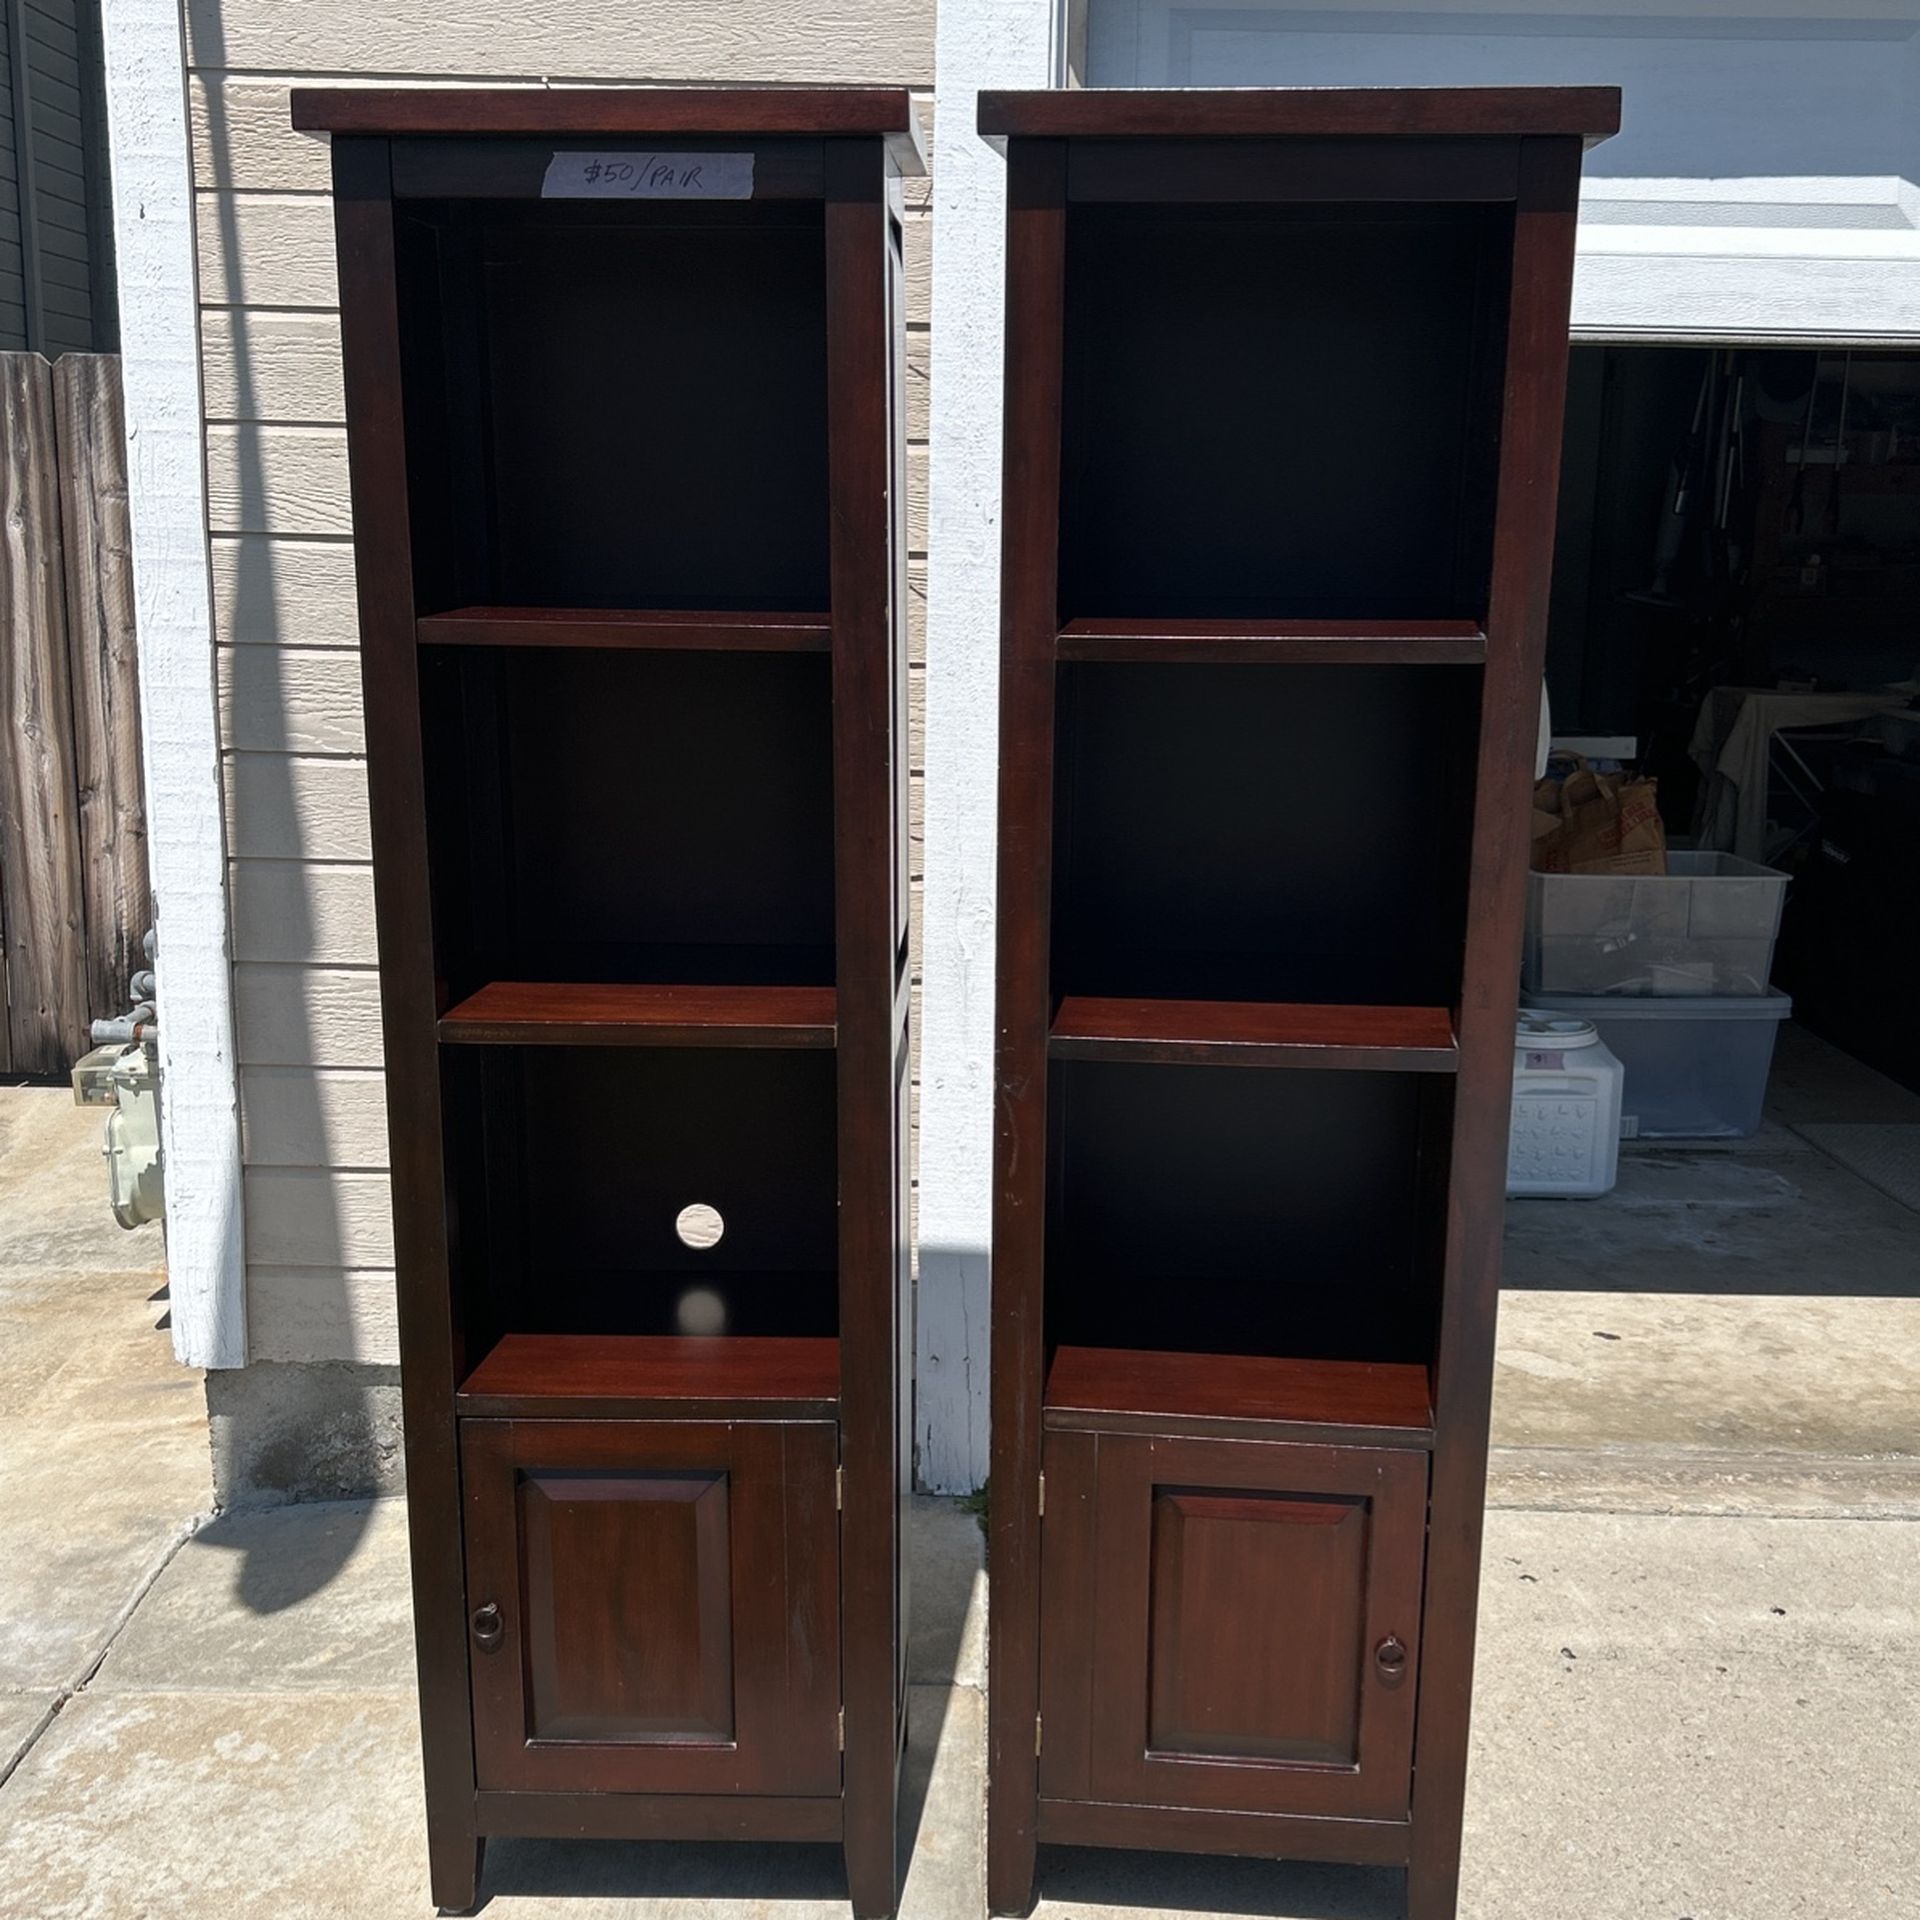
{"x":1565,"y":1141}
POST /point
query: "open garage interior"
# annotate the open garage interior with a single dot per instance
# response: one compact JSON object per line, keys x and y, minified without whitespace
{"x":1737,"y":615}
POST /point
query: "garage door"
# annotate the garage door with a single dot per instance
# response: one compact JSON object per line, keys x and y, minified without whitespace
{"x":1765,"y":185}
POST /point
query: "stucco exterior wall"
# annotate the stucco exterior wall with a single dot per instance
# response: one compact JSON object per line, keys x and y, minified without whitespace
{"x":319,"y":1238}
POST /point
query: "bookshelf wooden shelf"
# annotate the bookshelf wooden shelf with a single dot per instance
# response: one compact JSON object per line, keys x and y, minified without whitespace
{"x":531,"y":1013}
{"x":599,"y":627}
{"x":1298,"y":643}
{"x":531,"y":1376}
{"x":1107,"y":1389}
{"x":1285,"y":375}
{"x":1256,"y":1033}
{"x":629,"y":498}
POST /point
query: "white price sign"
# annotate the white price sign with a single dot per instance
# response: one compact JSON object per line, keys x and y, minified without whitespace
{"x":648,"y":176}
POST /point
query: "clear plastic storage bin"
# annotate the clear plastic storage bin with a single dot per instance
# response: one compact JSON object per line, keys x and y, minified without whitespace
{"x":1707,"y":926}
{"x":1696,"y":1065}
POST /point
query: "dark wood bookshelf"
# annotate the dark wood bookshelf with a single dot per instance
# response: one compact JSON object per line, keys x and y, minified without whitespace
{"x":639,"y":873}
{"x":1254,"y":1033}
{"x":607,"y":627}
{"x":1284,"y":381}
{"x":531,"y":1013}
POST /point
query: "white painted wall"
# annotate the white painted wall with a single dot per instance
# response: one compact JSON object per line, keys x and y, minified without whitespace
{"x":979,"y":44}
{"x":153,"y":232}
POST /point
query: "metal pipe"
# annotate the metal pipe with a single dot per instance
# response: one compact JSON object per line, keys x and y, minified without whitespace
{"x":140,"y":1024}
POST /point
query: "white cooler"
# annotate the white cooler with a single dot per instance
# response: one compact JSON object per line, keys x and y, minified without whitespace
{"x":1565,"y":1140}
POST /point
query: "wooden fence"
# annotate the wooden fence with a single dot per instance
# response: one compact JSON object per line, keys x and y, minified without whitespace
{"x":74,"y":903}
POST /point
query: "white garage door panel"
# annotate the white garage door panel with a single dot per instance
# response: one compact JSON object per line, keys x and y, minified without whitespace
{"x":1763,"y":182}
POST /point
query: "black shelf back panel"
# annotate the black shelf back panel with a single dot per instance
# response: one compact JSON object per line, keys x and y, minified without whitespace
{"x":1279,"y":411}
{"x":578,"y":1162}
{"x":1241,"y":1210}
{"x":1263,"y":833}
{"x":626,"y":411}
{"x":652,"y":817}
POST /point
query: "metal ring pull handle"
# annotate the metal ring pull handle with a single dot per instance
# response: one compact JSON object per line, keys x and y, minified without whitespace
{"x":488,"y":1629}
{"x":1390,"y":1660}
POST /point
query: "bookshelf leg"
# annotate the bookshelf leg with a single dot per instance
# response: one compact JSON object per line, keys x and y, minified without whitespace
{"x":1010,"y":1861}
{"x":872,"y":1882}
{"x":1433,"y":1880}
{"x":453,"y":1864}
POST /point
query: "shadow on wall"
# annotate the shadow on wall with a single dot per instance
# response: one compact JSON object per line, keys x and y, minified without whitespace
{"x":951,"y":1304}
{"x":281,"y":1431}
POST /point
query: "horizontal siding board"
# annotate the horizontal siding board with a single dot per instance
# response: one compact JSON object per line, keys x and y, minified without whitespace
{"x":317,"y":1314}
{"x":56,"y":241}
{"x":266,"y":250}
{"x":243,"y":137}
{"x":271,"y":366}
{"x":284,"y":808}
{"x":52,"y":34}
{"x":274,"y":479}
{"x":49,"y":29}
{"x":279,"y":700}
{"x":916,"y":254}
{"x":315,"y":1217}
{"x":919,"y":386}
{"x":294,"y":1016}
{"x":52,"y":90}
{"x":314,"y":916}
{"x":59,"y":134}
{"x":718,"y":41}
{"x":283,"y":593}
{"x":64,"y":301}
{"x":66,"y":332}
{"x":63,"y":269}
{"x":299,"y":1117}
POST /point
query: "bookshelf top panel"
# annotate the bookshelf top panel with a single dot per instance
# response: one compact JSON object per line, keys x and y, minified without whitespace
{"x":639,"y":112}
{"x":1272,"y":113}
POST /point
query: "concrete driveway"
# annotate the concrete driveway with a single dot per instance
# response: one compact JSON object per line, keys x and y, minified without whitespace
{"x":1700,"y":1642}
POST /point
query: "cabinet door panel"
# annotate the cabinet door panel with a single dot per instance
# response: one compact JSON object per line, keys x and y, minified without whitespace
{"x":601,"y":1550}
{"x":666,"y":1598}
{"x":1240,"y":1593}
{"x":1234,"y":1580}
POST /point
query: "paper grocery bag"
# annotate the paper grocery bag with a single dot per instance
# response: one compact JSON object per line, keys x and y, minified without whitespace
{"x":1598,"y":823}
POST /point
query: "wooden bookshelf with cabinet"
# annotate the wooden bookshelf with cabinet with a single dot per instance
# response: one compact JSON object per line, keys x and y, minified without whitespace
{"x":623,"y":378}
{"x":1283,"y":395}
